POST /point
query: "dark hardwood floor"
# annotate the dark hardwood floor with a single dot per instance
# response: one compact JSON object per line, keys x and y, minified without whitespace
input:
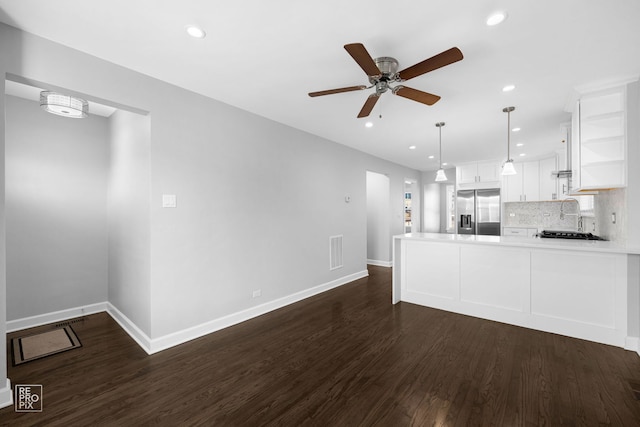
{"x":347,"y":357}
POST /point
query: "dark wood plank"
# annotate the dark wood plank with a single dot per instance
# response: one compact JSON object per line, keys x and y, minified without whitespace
{"x":346,"y":357}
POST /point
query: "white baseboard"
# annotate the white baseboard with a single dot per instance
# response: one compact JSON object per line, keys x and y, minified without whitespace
{"x":180,"y":337}
{"x":6,"y":395}
{"x":633,"y":344}
{"x":170,"y":340}
{"x":380,"y":263}
{"x":56,"y":316}
{"x":130,"y":328}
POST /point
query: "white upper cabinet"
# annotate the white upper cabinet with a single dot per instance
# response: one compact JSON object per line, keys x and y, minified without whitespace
{"x":548,"y":183}
{"x":488,"y":171}
{"x":599,"y":145}
{"x":533,"y":182}
{"x":478,"y":175}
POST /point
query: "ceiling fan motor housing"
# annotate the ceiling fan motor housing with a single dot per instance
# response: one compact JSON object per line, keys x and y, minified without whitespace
{"x":388,"y":68}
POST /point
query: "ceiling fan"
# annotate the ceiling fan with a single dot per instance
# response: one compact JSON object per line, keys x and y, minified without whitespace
{"x":384,"y":70}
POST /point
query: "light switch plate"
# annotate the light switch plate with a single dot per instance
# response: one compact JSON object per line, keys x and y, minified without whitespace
{"x":169,"y":201}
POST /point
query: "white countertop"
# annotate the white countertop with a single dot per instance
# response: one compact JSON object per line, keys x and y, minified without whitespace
{"x":529,"y":242}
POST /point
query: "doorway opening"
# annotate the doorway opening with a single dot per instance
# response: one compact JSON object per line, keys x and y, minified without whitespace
{"x":378,"y":220}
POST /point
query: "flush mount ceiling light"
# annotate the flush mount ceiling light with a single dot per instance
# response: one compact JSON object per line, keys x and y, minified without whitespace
{"x":196,"y":32}
{"x":440,"y":175}
{"x":496,"y":18}
{"x":507,"y":168}
{"x":64,"y":105}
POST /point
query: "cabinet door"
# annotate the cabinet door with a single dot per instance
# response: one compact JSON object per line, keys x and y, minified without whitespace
{"x":548,"y":183}
{"x":467,"y":173}
{"x":530,"y":182}
{"x":489,"y":171}
{"x":512,"y":185}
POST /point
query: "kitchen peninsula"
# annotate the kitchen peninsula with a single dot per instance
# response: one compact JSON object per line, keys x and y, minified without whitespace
{"x":582,"y":289}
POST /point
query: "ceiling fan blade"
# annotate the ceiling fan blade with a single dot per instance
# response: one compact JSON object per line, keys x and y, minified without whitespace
{"x":362,"y":57}
{"x":332,"y":91}
{"x":368,"y":105}
{"x":440,"y":60}
{"x":416,"y":95}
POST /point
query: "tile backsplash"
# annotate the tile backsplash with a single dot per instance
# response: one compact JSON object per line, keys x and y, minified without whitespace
{"x":546,"y":215}
{"x":540,"y":215}
{"x":608,"y":203}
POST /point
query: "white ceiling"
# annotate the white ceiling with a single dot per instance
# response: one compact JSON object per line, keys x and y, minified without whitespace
{"x":265,"y":56}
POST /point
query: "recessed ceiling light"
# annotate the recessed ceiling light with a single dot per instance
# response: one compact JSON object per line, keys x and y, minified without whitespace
{"x":496,"y":18}
{"x":508,"y":88}
{"x":444,"y":164}
{"x":412,"y":147}
{"x":369,"y":124}
{"x":522,"y":154}
{"x":515,"y":130}
{"x":196,"y":32}
{"x":431,"y":157}
{"x":519,"y":144}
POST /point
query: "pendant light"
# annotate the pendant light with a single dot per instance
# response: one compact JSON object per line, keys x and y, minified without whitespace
{"x":440,"y":175}
{"x":507,"y":168}
{"x":63,"y":105}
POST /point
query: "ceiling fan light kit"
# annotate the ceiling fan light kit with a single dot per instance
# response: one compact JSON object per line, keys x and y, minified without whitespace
{"x":383,"y":71}
{"x":508,"y":168}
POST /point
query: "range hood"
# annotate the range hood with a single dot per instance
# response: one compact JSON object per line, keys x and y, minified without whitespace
{"x":562,"y":173}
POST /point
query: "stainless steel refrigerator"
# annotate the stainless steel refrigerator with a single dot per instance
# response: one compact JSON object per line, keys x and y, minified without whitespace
{"x":478,"y":211}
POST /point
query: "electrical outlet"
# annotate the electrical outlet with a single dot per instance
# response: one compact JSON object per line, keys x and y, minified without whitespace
{"x":257,"y":293}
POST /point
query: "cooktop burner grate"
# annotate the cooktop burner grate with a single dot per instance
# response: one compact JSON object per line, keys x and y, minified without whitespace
{"x":569,"y":235}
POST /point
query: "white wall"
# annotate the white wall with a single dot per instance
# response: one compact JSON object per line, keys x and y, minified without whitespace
{"x":633,"y":203}
{"x":432,"y":207}
{"x":378,"y":216}
{"x":435,"y":199}
{"x":633,"y":159}
{"x":6,"y":392}
{"x":129,"y":288}
{"x":257,"y":200}
{"x":55,"y":183}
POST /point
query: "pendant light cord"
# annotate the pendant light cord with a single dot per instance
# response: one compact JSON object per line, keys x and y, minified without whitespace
{"x":508,"y":135}
{"x":440,"y":147}
{"x":439,"y":126}
{"x":508,"y":110}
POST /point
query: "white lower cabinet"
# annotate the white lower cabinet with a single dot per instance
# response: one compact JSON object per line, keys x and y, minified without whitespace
{"x":519,"y":231}
{"x":581,"y":294}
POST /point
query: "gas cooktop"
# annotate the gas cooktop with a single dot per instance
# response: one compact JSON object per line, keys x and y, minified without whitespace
{"x":568,"y":235}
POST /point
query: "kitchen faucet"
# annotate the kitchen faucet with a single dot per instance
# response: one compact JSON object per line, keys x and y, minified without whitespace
{"x":577,"y":214}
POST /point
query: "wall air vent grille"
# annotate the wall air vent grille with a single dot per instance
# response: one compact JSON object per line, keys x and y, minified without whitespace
{"x":335,"y":252}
